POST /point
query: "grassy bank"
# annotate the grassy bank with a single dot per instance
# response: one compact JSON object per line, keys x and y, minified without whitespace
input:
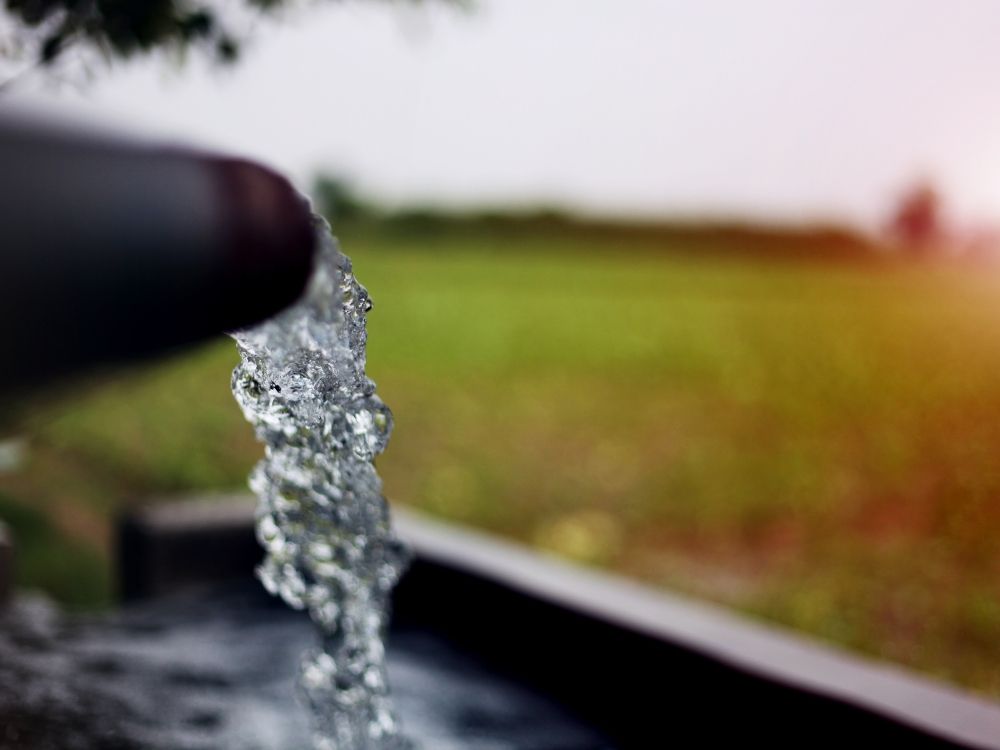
{"x":813,"y":443}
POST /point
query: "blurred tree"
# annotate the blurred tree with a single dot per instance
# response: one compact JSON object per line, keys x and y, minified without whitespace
{"x":40,"y":31}
{"x":337,"y":200}
{"x":917,"y":223}
{"x":121,"y":28}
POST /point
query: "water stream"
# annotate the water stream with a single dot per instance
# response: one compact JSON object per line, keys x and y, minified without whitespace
{"x":322,"y":519}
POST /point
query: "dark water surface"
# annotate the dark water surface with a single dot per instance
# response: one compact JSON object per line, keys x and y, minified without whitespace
{"x":217,"y":671}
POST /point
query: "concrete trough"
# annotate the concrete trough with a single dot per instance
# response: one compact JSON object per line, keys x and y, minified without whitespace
{"x":642,"y":667}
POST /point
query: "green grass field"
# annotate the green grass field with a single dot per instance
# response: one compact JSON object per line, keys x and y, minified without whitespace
{"x":817,"y":444}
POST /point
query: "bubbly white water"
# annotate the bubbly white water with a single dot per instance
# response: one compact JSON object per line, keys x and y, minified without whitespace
{"x":322,"y":518}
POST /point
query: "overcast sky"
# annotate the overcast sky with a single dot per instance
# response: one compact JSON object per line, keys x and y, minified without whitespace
{"x":787,"y":109}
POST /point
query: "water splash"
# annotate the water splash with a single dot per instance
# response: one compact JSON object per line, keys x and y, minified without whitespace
{"x":322,"y":519}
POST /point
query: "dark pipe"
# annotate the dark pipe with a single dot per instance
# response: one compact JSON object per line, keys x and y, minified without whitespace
{"x":113,"y":249}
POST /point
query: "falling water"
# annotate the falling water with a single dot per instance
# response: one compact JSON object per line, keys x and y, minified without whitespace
{"x":322,"y":519}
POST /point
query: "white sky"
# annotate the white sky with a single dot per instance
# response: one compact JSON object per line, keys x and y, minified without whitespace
{"x":787,"y":109}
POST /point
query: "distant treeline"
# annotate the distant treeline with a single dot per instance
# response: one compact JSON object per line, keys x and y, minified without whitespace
{"x":348,"y":213}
